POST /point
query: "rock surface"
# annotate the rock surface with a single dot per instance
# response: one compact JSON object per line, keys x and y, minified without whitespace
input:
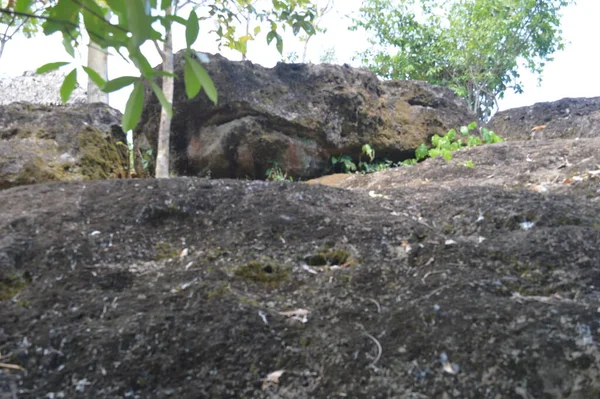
{"x":41,"y":143}
{"x":568,"y":118}
{"x":37,"y":89}
{"x":298,"y":116}
{"x":432,"y":281}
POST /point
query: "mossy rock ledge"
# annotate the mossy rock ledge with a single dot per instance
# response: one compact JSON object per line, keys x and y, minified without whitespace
{"x":45,"y":143}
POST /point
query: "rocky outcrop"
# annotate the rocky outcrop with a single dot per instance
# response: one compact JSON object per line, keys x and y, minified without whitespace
{"x":41,"y":143}
{"x":568,"y":118}
{"x":298,"y":116}
{"x":37,"y":89}
{"x":431,"y":281}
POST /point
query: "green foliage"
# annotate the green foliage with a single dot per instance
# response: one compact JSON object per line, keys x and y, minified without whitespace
{"x":14,"y":18}
{"x":274,"y":173}
{"x":444,"y":146}
{"x":474,"y":47}
{"x":295,"y":14}
{"x":147,"y":160}
{"x":140,"y":21}
{"x":346,"y":164}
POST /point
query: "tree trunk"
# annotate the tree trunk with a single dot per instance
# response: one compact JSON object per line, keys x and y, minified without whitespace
{"x":98,"y":61}
{"x":305,"y":50}
{"x":164,"y":129}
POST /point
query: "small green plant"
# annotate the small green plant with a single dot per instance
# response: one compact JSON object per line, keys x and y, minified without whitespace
{"x":147,"y":160}
{"x":445,"y":145}
{"x":469,"y":164}
{"x":274,"y":173}
{"x":345,"y":163}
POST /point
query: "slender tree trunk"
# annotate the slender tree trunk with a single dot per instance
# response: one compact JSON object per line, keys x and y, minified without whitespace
{"x":305,"y":50}
{"x":244,"y":57}
{"x":98,"y":61}
{"x":164,"y":130}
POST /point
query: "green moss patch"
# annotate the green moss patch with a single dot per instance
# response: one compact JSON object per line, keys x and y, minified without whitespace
{"x":12,"y":285}
{"x":265,"y":272}
{"x":38,"y":171}
{"x":101,"y":157}
{"x":330,"y":257}
{"x":165,"y":251}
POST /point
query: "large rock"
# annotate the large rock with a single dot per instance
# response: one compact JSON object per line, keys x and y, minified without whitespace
{"x":41,"y":143}
{"x":298,"y":116}
{"x":38,"y":89}
{"x":567,"y":118}
{"x":444,"y":282}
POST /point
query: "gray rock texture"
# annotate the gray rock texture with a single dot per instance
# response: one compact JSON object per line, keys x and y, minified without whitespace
{"x":38,"y":89}
{"x":299,"y":116}
{"x":568,"y":118}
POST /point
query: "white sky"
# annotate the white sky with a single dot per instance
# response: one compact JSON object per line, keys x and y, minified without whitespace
{"x":573,"y":73}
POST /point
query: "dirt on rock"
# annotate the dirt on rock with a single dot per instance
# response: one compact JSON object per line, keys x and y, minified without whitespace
{"x":436,"y":281}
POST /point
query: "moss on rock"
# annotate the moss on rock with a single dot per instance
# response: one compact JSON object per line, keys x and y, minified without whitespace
{"x":267,"y":272}
{"x":12,"y":285}
{"x":101,"y":157}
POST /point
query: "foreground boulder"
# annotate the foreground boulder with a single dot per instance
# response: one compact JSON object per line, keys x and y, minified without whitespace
{"x":568,"y":118}
{"x":436,"y":281}
{"x":296,"y":116}
{"x":41,"y":143}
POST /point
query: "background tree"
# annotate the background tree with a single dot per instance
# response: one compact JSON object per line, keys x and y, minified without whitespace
{"x":474,"y":47}
{"x":322,"y":7}
{"x":13,"y":23}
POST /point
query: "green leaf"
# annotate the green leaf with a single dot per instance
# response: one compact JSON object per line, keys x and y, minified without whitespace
{"x":164,"y":4}
{"x":451,"y":134}
{"x":192,"y":83}
{"x":447,"y":154}
{"x":163,"y":73}
{"x":119,"y":83}
{"x":139,"y":22}
{"x":191,"y":29}
{"x":464,"y":130}
{"x":421,"y":152}
{"x":95,"y":77}
{"x":117,"y":6}
{"x":141,"y":62}
{"x":176,"y":18}
{"x":485,"y":133}
{"x":368,"y":151}
{"x":166,"y":104}
{"x":205,"y":80}
{"x":133,"y":108}
{"x":23,"y":6}
{"x":472,"y":125}
{"x":52,"y":66}
{"x":69,"y":84}
{"x":68,"y":47}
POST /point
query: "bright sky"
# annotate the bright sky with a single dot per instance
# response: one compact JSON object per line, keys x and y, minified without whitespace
{"x":573,"y":73}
